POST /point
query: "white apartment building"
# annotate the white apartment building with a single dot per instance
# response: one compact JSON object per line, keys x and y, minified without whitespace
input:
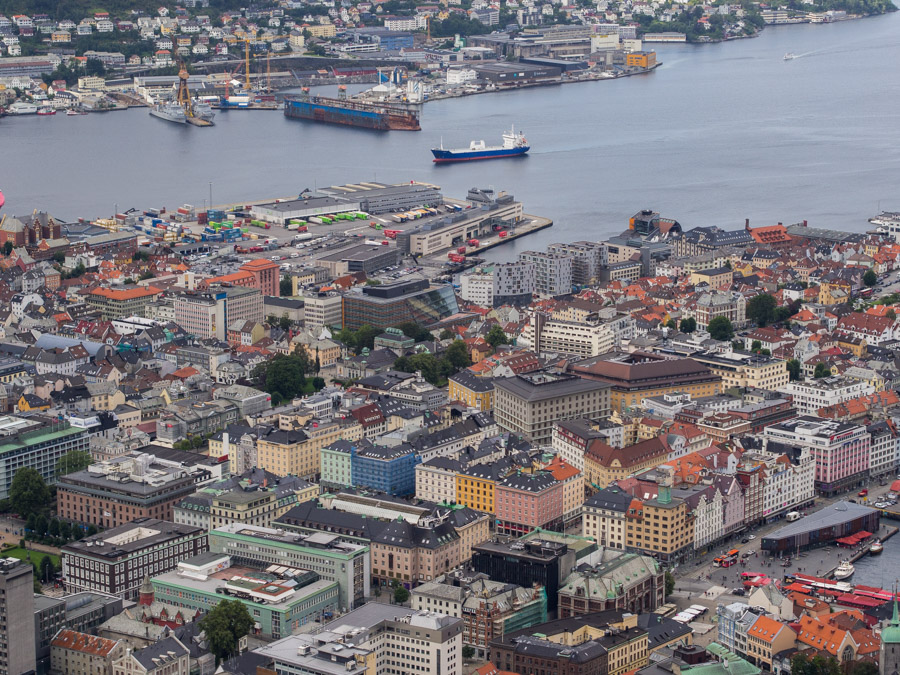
{"x":478,"y":287}
{"x":436,"y":479}
{"x":323,"y":310}
{"x":588,"y":258}
{"x":498,"y":285}
{"x":790,"y":476}
{"x":402,"y":640}
{"x":201,"y":315}
{"x":840,"y":450}
{"x":603,"y":517}
{"x":708,"y":508}
{"x":884,"y":449}
{"x":811,"y":396}
{"x":552,"y":272}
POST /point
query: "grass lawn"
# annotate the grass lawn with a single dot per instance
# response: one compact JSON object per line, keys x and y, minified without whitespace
{"x":36,"y":556}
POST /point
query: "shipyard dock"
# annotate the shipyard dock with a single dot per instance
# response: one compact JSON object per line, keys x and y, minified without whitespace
{"x":353,"y":113}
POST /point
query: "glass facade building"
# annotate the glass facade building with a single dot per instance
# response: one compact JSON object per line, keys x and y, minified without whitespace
{"x":389,"y":305}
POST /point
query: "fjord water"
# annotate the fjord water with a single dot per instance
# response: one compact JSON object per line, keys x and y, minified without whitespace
{"x":717,"y":134}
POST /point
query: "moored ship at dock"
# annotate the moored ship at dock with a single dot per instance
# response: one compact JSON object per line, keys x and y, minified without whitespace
{"x":380,"y":116}
{"x":171,"y":112}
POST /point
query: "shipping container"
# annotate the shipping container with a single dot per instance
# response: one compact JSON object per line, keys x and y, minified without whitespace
{"x":461,"y":249}
{"x":474,"y":243}
{"x":503,"y":234}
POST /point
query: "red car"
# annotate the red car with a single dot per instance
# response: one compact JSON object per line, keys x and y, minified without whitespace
{"x":862,"y":493}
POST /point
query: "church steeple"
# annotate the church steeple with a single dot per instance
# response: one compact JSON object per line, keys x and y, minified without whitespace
{"x":146,"y":592}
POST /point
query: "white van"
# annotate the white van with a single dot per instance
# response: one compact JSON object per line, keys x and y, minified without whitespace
{"x":792,"y":516}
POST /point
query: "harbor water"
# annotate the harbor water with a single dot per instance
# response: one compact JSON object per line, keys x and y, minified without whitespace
{"x":719,"y":133}
{"x":881,"y":571}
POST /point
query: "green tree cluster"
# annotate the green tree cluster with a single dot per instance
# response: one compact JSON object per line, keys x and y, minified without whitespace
{"x":458,"y":25}
{"x":225,"y":625}
{"x":496,"y":337}
{"x":434,"y":369}
{"x":28,"y":493}
{"x":720,"y":328}
{"x":357,"y":340}
{"x":286,"y":286}
{"x":688,"y":325}
{"x":284,"y":377}
{"x":870,"y":278}
{"x":415,"y":331}
{"x":761,"y":309}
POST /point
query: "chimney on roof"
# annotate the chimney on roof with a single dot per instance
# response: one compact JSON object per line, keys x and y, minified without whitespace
{"x":747,"y":224}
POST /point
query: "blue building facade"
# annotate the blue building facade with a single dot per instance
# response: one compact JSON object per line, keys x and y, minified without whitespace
{"x":390,"y":470}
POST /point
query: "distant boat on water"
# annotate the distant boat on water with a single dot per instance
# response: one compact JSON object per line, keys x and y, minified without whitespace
{"x":789,"y":56}
{"x":513,"y":145}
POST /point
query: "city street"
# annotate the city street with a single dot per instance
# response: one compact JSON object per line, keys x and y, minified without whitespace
{"x":699,"y":582}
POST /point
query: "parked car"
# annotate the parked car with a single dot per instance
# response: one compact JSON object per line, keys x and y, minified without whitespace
{"x":745,"y":540}
{"x":863,"y":493}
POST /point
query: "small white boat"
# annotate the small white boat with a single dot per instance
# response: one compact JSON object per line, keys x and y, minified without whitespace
{"x":876,"y":548}
{"x":75,"y":113}
{"x":844,"y":571}
{"x":789,"y":56}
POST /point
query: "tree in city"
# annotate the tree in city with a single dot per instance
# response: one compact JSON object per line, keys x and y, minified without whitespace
{"x":413,"y":330}
{"x":28,"y":493}
{"x":468,"y":652}
{"x":72,"y":461}
{"x":144,"y":276}
{"x":496,"y":336}
{"x":671,"y":324}
{"x":793,"y":368}
{"x":670,"y":585}
{"x":284,"y":376}
{"x":720,"y":328}
{"x":46,"y":570}
{"x":761,"y":309}
{"x":755,"y":346}
{"x":92,"y":530}
{"x":870,"y":278}
{"x":7,"y":247}
{"x":860,"y":668}
{"x":822,"y":370}
{"x":447,"y":334}
{"x":53,"y":528}
{"x":286,"y":286}
{"x":457,"y":355}
{"x":688,"y":325}
{"x":891,"y":314}
{"x":357,"y":340}
{"x":225,"y":625}
{"x":801,"y":664}
{"x":401,"y":595}
{"x":65,"y":530}
{"x":284,"y":323}
{"x":40,"y":525}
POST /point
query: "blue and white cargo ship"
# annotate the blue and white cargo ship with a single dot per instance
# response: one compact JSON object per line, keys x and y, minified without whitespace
{"x":514,"y":144}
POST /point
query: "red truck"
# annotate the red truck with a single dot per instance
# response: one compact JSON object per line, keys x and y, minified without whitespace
{"x":457,"y":258}
{"x":474,"y":243}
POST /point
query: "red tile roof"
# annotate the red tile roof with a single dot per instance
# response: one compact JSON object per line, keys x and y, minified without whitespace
{"x":82,"y":642}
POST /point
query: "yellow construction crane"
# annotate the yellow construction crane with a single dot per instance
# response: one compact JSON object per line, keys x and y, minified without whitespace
{"x":184,"y":94}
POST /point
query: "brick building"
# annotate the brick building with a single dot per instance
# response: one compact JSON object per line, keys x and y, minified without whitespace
{"x":116,"y":561}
